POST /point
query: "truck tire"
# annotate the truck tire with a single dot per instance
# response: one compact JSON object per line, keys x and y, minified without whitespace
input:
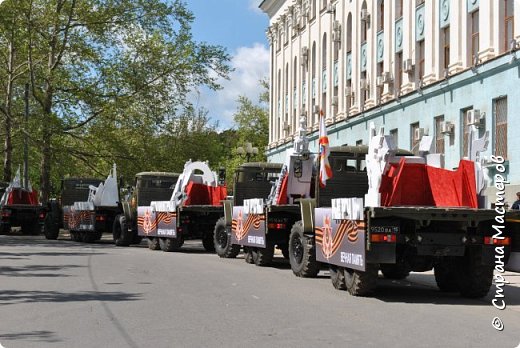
{"x":222,"y":241}
{"x":248,"y":255}
{"x":50,"y":229}
{"x":153,"y":243}
{"x":263,"y":256}
{"x":361,"y":283}
{"x":337,"y":277}
{"x":207,"y":241}
{"x":474,"y":278}
{"x":170,"y":244}
{"x":446,"y":275}
{"x":120,"y":233}
{"x":302,"y":256}
{"x":396,"y":271}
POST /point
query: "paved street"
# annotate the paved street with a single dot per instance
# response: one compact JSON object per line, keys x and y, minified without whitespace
{"x":66,"y":294}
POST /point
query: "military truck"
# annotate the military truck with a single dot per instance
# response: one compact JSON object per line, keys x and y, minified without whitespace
{"x":149,"y":186}
{"x":194,"y":207}
{"x":251,"y":180}
{"x":87,"y":220}
{"x":72,"y":190}
{"x":20,"y":207}
{"x":382,"y":209}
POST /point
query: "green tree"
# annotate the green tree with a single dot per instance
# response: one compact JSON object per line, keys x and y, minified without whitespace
{"x":252,"y":126}
{"x":102,"y":66}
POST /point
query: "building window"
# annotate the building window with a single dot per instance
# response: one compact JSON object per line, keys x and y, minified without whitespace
{"x":439,"y":137}
{"x":465,"y":132}
{"x":313,"y":9}
{"x":420,"y":58}
{"x":348,"y":36}
{"x":508,"y":23}
{"x":295,"y":93}
{"x":500,"y":113}
{"x":474,"y":22}
{"x":323,"y":4}
{"x":380,"y":15}
{"x":398,"y":9}
{"x":414,"y":138}
{"x":364,"y":25}
{"x":313,"y":83}
{"x":446,"y":45}
{"x":379,"y":89}
{"x":394,"y":133}
{"x":398,"y":71}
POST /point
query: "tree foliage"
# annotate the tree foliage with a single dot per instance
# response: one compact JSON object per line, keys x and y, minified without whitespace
{"x":109,"y":83}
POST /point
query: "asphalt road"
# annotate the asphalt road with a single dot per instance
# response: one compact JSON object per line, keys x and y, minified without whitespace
{"x":67,"y":294}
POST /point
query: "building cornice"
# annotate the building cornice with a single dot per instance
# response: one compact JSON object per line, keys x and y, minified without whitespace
{"x":271,"y":7}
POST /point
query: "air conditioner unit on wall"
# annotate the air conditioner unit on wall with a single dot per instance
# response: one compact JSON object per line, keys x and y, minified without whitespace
{"x":336,"y":36}
{"x":379,"y":81}
{"x":387,"y":77}
{"x":418,"y":134}
{"x":473,"y":117}
{"x":365,"y":16}
{"x":408,"y":66}
{"x":304,"y":55}
{"x":447,"y":127}
{"x":363,"y":84}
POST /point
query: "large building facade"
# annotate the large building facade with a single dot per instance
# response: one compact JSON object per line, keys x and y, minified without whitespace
{"x":415,"y":67}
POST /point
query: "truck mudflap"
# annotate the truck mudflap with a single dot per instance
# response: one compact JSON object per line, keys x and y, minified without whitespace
{"x":151,"y":223}
{"x":339,"y":242}
{"x":78,"y":220}
{"x":248,"y":229}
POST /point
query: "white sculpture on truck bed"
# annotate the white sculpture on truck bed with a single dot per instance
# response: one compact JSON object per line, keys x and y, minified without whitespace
{"x":105,"y":195}
{"x":197,"y":172}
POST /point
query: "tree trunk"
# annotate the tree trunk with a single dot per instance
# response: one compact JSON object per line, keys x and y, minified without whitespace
{"x":8,"y":145}
{"x":45,"y":168}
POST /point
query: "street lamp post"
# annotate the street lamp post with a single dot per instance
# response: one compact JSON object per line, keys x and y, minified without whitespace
{"x":248,"y":150}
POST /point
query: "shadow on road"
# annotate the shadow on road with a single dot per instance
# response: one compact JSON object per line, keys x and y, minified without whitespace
{"x":45,"y":336}
{"x":33,"y":269}
{"x":417,"y":292}
{"x":8,"y":297}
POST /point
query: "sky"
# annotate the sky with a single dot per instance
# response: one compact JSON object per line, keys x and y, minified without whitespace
{"x":239,"y":26}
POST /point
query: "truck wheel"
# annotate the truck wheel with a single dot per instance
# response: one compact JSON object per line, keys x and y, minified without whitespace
{"x":248,"y":255}
{"x":222,"y":241}
{"x":396,"y":271}
{"x":474,"y":278}
{"x":207,"y":242}
{"x":337,"y":276}
{"x":446,"y":275}
{"x":120,"y":233}
{"x":170,"y":244}
{"x":361,"y":283}
{"x":153,"y":243}
{"x":263,"y":256}
{"x":50,"y":228}
{"x":302,"y":254}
